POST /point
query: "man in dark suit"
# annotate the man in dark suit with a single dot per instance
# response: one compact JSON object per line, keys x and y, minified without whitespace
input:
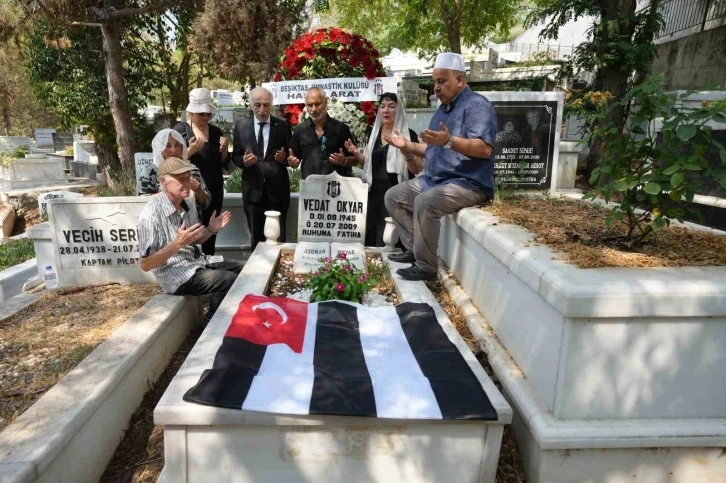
{"x":261,"y":144}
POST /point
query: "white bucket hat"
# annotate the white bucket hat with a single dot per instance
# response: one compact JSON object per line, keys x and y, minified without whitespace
{"x":200,"y":100}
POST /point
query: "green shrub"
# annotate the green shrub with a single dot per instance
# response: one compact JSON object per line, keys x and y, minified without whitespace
{"x":15,"y":252}
{"x":648,"y":179}
{"x":294,"y":179}
{"x":125,"y":185}
{"x":234,"y":182}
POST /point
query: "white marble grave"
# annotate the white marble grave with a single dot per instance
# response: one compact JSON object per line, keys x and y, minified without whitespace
{"x":308,"y":255}
{"x":333,"y":209}
{"x":95,"y":240}
{"x":44,"y":138}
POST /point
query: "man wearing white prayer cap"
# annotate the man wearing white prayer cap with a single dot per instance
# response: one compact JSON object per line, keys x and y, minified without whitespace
{"x":458,"y":167}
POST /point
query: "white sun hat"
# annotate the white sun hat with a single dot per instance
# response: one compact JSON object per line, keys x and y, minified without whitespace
{"x":451,"y":61}
{"x":200,"y":100}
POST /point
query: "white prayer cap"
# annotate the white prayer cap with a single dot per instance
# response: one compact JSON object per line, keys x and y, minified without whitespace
{"x":451,"y":61}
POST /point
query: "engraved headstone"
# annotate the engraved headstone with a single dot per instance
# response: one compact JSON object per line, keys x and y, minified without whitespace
{"x":63,"y":140}
{"x":333,"y":209}
{"x":308,"y":255}
{"x":95,"y":240}
{"x":355,"y":253}
{"x":44,"y":138}
{"x":44,"y":198}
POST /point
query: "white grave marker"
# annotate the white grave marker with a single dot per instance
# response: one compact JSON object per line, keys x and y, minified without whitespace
{"x":44,"y":138}
{"x":332,"y":208}
{"x":44,"y":198}
{"x":225,"y":98}
{"x":95,"y":240}
{"x":308,"y":255}
{"x":142,"y":161}
{"x":355,"y":253}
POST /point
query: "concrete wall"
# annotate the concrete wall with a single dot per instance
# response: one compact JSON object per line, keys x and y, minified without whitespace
{"x":694,"y":61}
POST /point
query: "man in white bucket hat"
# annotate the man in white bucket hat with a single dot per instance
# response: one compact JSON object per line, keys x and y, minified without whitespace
{"x":458,"y":167}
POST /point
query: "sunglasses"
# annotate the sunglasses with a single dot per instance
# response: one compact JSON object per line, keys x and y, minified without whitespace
{"x":208,"y":114}
{"x":323,"y":140}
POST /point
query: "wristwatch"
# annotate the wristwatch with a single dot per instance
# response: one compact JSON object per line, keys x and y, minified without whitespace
{"x":449,"y":143}
{"x":210,"y":231}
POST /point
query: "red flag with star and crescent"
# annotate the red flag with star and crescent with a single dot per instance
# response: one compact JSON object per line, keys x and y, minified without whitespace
{"x":269,"y":320}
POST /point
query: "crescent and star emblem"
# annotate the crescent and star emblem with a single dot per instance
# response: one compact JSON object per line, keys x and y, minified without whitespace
{"x":275,"y":307}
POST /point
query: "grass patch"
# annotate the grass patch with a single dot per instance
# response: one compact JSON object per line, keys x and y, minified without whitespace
{"x":15,"y":252}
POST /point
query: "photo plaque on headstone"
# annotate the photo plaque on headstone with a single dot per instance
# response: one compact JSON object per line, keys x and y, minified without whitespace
{"x":526,"y":147}
{"x":142,"y":161}
{"x":333,"y":209}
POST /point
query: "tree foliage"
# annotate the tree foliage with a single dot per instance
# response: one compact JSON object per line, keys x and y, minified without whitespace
{"x":244,"y":39}
{"x":426,"y":26}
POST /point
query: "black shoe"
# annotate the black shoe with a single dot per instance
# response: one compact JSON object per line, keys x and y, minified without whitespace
{"x":415,"y":273}
{"x":405,"y":257}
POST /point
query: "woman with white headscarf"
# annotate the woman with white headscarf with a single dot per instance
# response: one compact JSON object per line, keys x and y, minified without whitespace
{"x":166,"y":144}
{"x":383,"y":165}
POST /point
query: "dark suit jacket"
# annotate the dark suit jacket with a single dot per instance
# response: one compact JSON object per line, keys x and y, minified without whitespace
{"x":267,"y":173}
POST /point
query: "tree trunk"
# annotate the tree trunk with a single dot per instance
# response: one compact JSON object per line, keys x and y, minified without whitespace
{"x":451,"y":25}
{"x":6,"y":121}
{"x":109,"y":162}
{"x":120,"y":111}
{"x":200,"y":74}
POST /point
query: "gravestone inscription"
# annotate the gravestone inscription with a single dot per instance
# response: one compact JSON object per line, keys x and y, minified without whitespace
{"x":95,"y":240}
{"x":355,"y":253}
{"x":44,"y":138}
{"x":308,"y":255}
{"x":63,"y":141}
{"x":332,"y":208}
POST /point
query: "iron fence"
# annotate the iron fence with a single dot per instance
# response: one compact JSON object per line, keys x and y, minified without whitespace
{"x":680,"y":15}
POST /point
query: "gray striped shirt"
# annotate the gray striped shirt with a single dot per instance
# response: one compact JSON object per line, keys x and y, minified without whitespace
{"x":158,"y":225}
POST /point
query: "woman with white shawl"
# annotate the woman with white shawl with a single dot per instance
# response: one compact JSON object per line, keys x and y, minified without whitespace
{"x":170,"y":143}
{"x":383,"y":165}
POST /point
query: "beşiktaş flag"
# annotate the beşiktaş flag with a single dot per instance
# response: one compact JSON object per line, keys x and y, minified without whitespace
{"x":284,"y":356}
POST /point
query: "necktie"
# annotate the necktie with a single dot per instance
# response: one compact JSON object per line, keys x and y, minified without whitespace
{"x":261,"y":140}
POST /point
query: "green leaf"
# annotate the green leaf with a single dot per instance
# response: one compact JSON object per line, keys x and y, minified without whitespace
{"x":693,"y":167}
{"x":677,"y":179}
{"x":593,"y":178}
{"x":607,"y":169}
{"x":620,"y":185}
{"x":652,"y":188}
{"x":671,"y":169}
{"x":668,"y":125}
{"x":686,"y":131}
{"x":722,"y":154}
{"x":718,"y":117}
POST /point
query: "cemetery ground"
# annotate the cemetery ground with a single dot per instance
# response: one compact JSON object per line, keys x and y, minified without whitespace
{"x":44,"y":341}
{"x":576,"y":229}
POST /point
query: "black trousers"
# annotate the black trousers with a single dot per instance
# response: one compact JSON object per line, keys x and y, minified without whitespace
{"x":214,"y":282}
{"x":255,"y":213}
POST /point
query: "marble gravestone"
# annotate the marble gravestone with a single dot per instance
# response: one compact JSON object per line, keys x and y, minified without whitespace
{"x":332,"y":208}
{"x":44,"y":138}
{"x":527,"y":144}
{"x":308,"y":255}
{"x":44,"y":198}
{"x":355,"y":253}
{"x":63,"y":140}
{"x":95,"y":240}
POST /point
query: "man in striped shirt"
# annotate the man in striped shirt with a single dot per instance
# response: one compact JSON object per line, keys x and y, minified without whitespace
{"x":170,"y":238}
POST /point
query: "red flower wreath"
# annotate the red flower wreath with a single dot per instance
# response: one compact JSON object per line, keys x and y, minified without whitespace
{"x":328,"y":53}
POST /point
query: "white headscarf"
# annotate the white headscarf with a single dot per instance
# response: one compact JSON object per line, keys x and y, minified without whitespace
{"x":395,"y":161}
{"x":158,"y":144}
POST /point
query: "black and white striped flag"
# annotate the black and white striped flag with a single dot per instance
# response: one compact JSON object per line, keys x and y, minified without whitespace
{"x":290,"y":357}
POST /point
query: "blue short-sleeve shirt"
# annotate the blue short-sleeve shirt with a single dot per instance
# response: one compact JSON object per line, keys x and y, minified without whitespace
{"x":470,"y":115}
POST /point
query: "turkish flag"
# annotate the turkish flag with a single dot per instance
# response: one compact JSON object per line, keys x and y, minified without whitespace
{"x":267,"y":320}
